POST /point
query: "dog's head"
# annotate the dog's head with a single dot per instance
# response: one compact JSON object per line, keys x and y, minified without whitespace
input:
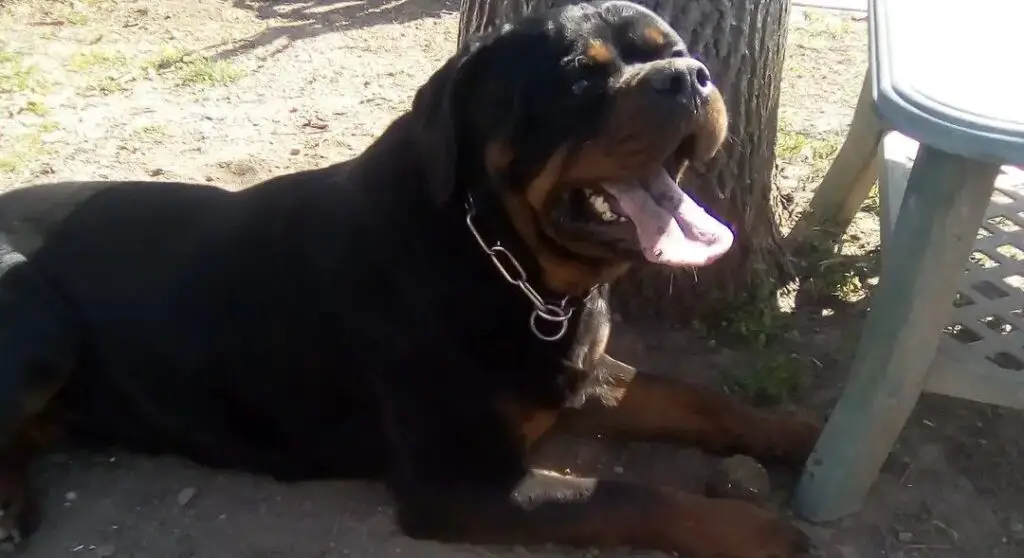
{"x":581,"y":120}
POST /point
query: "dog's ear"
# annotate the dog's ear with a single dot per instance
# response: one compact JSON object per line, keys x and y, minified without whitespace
{"x":501,"y":89}
{"x":438,"y":118}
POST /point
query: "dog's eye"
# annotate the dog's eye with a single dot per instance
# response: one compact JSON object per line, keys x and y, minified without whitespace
{"x":679,"y":52}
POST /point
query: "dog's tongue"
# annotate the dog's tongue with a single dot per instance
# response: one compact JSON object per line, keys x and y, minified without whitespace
{"x":673,"y":229}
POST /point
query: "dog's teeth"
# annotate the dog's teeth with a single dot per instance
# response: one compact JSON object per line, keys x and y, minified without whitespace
{"x":603,"y":208}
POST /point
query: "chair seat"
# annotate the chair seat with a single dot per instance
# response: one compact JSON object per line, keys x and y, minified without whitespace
{"x":934,"y":84}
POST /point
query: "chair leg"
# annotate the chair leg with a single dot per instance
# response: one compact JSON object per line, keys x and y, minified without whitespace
{"x":893,"y":175}
{"x":846,"y":184}
{"x":945,"y":201}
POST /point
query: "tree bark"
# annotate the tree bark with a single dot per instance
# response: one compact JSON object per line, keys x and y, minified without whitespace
{"x":743,"y":44}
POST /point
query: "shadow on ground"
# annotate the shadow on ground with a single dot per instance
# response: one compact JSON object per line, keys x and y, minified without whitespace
{"x":291,"y":21}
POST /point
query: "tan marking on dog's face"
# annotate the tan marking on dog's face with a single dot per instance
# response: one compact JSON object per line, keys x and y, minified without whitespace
{"x":599,"y":52}
{"x":497,"y":156}
{"x":709,"y":136}
{"x":560,"y":274}
{"x":712,"y":129}
{"x":655,"y":36}
{"x":528,"y":211}
{"x":541,"y":188}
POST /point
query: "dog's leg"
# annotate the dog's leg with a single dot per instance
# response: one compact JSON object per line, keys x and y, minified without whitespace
{"x":38,"y":349}
{"x":634,"y":405}
{"x":545,"y":508}
{"x":19,"y":509}
{"x":458,"y":474}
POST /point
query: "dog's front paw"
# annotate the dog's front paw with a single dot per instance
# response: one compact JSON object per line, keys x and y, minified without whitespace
{"x":738,"y":529}
{"x":789,"y":438}
{"x":805,"y":434}
{"x":19,"y":513}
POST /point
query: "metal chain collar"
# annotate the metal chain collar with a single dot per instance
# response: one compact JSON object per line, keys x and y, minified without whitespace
{"x":553,"y":313}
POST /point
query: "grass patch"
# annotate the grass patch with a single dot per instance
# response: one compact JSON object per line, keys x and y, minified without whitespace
{"x":754,"y":323}
{"x":814,"y":152}
{"x":838,"y":277}
{"x":190,"y":68}
{"x":828,"y":277}
{"x":873,"y":204}
{"x":837,"y":280}
{"x":18,"y":77}
{"x":758,"y":326}
{"x":92,"y":60}
{"x":105,"y":85}
{"x":775,"y":379}
{"x":823,"y":150}
{"x":37,"y":108}
{"x":66,"y":12}
{"x":821,"y":28}
{"x":789,"y":145}
{"x":151,"y":132}
{"x":107,"y":71}
{"x":167,"y":59}
{"x":20,"y":151}
{"x":76,"y":17}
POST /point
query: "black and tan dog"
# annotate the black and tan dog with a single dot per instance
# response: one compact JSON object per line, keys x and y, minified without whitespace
{"x":420,"y":314}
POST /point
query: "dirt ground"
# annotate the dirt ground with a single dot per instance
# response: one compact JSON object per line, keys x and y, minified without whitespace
{"x":231,"y":92}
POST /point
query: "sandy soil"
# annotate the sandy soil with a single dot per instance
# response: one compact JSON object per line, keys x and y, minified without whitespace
{"x":231,"y":92}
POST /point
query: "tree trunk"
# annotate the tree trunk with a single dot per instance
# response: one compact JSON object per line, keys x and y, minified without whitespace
{"x":743,"y":44}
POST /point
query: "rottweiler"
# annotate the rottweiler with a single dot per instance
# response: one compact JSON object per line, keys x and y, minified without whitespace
{"x":418,"y":315}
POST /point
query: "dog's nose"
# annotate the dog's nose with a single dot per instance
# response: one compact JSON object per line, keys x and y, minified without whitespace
{"x":684,"y":79}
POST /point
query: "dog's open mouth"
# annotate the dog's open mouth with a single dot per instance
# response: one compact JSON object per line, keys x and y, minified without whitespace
{"x":662,"y":221}
{"x":672,"y":228}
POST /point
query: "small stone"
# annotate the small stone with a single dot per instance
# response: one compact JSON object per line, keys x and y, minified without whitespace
{"x":295,"y":151}
{"x":186,"y":495}
{"x":105,"y":550}
{"x":905,"y":537}
{"x":848,"y":552}
{"x":1017,"y":523}
{"x":739,"y":477}
{"x":156,"y":172}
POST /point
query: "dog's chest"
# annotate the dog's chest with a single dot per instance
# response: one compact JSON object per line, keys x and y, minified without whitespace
{"x":593,"y":330}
